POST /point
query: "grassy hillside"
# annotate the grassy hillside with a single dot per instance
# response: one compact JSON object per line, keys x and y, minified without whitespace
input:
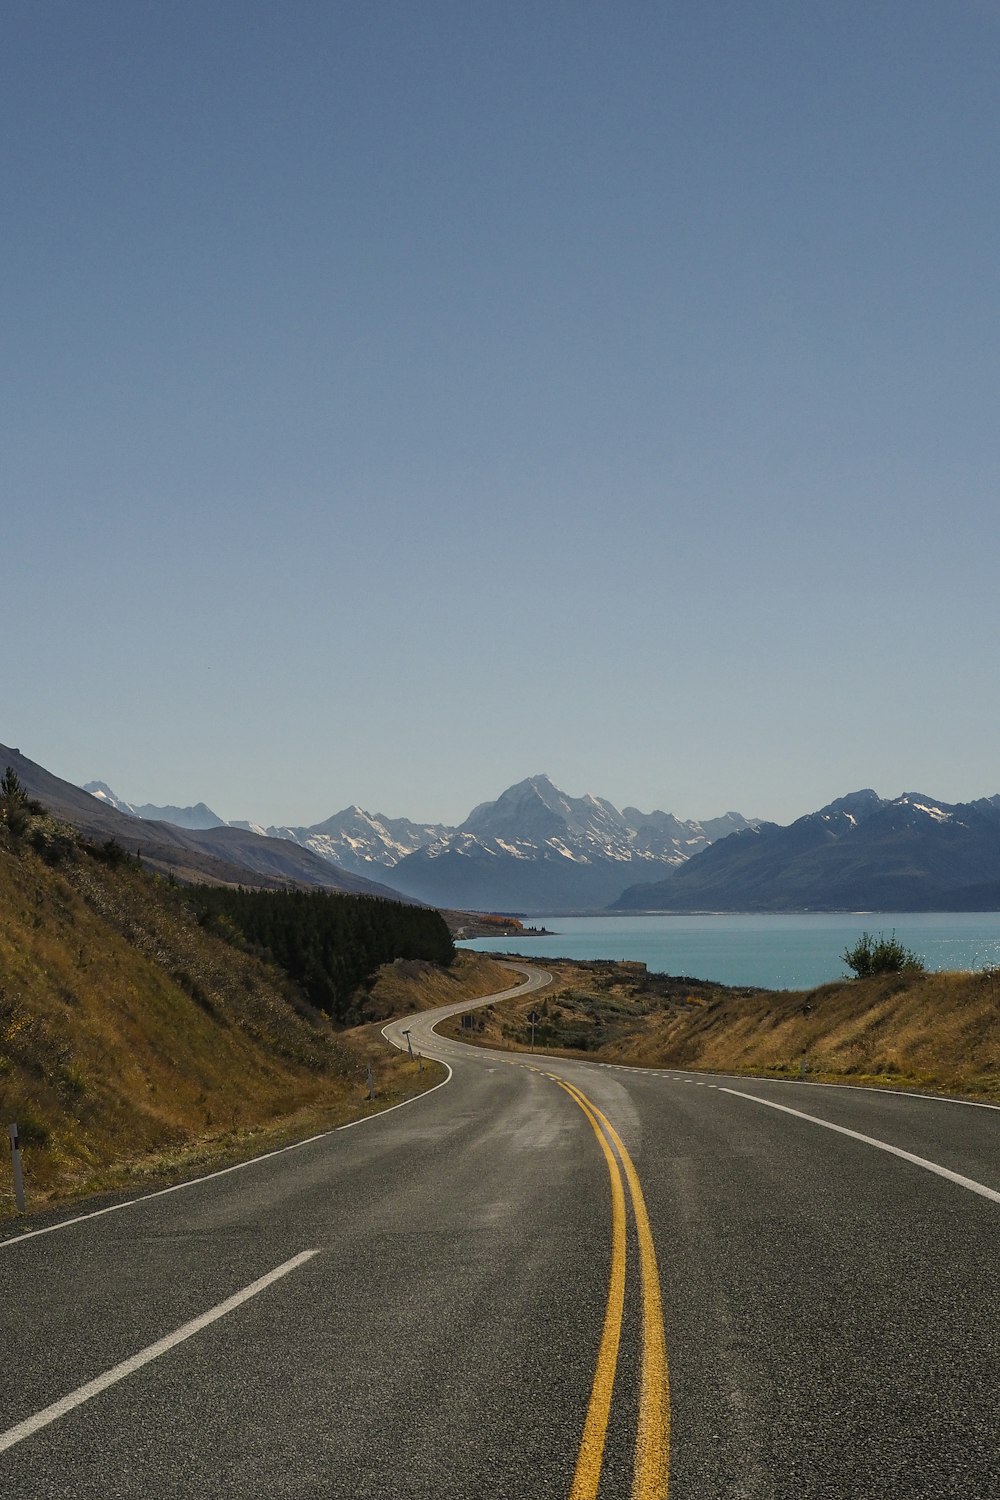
{"x":933,"y":1031}
{"x":134,"y":1041}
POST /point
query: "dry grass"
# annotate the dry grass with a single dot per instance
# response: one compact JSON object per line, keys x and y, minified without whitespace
{"x":939,"y":1032}
{"x":134,"y":1044}
{"x":412,"y":984}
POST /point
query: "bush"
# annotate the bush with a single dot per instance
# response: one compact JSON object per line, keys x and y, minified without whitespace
{"x":881,"y":955}
{"x":16,"y":807}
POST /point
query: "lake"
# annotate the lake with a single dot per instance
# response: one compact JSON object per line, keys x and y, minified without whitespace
{"x":793,"y":951}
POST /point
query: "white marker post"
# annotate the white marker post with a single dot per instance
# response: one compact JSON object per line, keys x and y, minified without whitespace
{"x":15,"y":1160}
{"x":371,"y":1082}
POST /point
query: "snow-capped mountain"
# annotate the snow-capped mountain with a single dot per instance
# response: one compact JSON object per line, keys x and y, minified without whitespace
{"x":532,"y":849}
{"x":362,"y":842}
{"x":861,"y":852}
{"x":537,"y":849}
{"x":198,"y":816}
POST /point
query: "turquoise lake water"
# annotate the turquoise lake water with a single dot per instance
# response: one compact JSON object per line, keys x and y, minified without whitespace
{"x":777,"y":952}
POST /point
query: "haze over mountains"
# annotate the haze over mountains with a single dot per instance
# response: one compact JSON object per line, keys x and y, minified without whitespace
{"x":198,"y":816}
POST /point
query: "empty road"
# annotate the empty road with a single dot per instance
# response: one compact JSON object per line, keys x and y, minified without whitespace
{"x":543,"y":1279}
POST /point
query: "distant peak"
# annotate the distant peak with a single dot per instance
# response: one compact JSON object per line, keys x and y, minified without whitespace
{"x":857,"y":803}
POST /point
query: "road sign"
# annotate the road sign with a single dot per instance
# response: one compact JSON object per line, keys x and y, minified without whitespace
{"x":534,"y":1017}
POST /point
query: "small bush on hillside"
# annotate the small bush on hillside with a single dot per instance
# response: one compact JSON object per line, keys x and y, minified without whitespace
{"x":53,"y":842}
{"x":16,"y":807}
{"x":881,"y":955}
{"x":109,"y":853}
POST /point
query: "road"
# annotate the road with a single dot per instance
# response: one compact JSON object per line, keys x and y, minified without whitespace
{"x":544,"y":1278}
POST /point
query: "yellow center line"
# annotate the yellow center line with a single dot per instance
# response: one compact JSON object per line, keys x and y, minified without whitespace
{"x":587,"y":1475}
{"x":651,"y":1478}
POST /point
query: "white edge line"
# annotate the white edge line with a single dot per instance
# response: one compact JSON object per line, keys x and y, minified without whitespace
{"x":677,"y":1076}
{"x":810,"y":1083}
{"x":867,"y":1088}
{"x":145,"y":1356}
{"x":870,"y":1140}
{"x":253,"y":1161}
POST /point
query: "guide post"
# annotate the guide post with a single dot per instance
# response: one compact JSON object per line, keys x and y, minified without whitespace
{"x":15,"y":1160}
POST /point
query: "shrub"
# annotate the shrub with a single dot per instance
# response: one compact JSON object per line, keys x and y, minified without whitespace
{"x":881,"y":955}
{"x":16,"y":807}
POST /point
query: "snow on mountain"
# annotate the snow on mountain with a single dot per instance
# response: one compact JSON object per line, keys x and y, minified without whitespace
{"x":535,"y":815}
{"x":535,"y":848}
{"x":103,"y":793}
{"x":362,"y":842}
{"x":198,"y":816}
{"x":861,"y":852}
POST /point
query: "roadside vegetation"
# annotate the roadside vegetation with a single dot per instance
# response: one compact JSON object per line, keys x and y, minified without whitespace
{"x":330,"y":945}
{"x":140,"y":1041}
{"x":904,"y":1028}
{"x":881,"y":955}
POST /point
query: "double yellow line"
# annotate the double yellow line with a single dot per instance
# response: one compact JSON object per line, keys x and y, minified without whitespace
{"x":650,"y":1477}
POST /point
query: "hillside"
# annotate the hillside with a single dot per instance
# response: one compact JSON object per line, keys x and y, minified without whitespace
{"x":859,"y":853}
{"x":136,"y":1043}
{"x":925,"y":1031}
{"x":224,"y":856}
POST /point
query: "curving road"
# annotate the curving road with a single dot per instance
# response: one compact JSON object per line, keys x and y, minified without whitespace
{"x":543,"y":1278}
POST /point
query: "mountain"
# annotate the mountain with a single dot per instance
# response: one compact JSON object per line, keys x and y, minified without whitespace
{"x":363,"y":843}
{"x":861,"y":852}
{"x":228,"y":856}
{"x":536,"y":849}
{"x":198,"y":816}
{"x":532,"y":849}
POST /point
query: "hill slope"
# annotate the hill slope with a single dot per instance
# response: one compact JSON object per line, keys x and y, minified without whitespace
{"x":134,"y":1040}
{"x":936,"y":1031}
{"x":126,"y":1029}
{"x":226,"y":856}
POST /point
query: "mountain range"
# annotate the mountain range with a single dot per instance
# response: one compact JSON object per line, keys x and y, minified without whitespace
{"x":198,"y":816}
{"x":532,"y":849}
{"x":859,"y":853}
{"x":535,"y":849}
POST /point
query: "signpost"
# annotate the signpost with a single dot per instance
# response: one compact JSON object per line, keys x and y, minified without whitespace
{"x":534,"y":1018}
{"x":15,"y":1161}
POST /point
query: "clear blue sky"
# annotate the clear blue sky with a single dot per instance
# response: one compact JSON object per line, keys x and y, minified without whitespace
{"x":402,"y":399}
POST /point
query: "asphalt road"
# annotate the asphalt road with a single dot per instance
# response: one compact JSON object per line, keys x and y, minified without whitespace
{"x":541,"y":1279}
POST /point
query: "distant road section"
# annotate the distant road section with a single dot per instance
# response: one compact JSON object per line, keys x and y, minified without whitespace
{"x":543,"y":1278}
